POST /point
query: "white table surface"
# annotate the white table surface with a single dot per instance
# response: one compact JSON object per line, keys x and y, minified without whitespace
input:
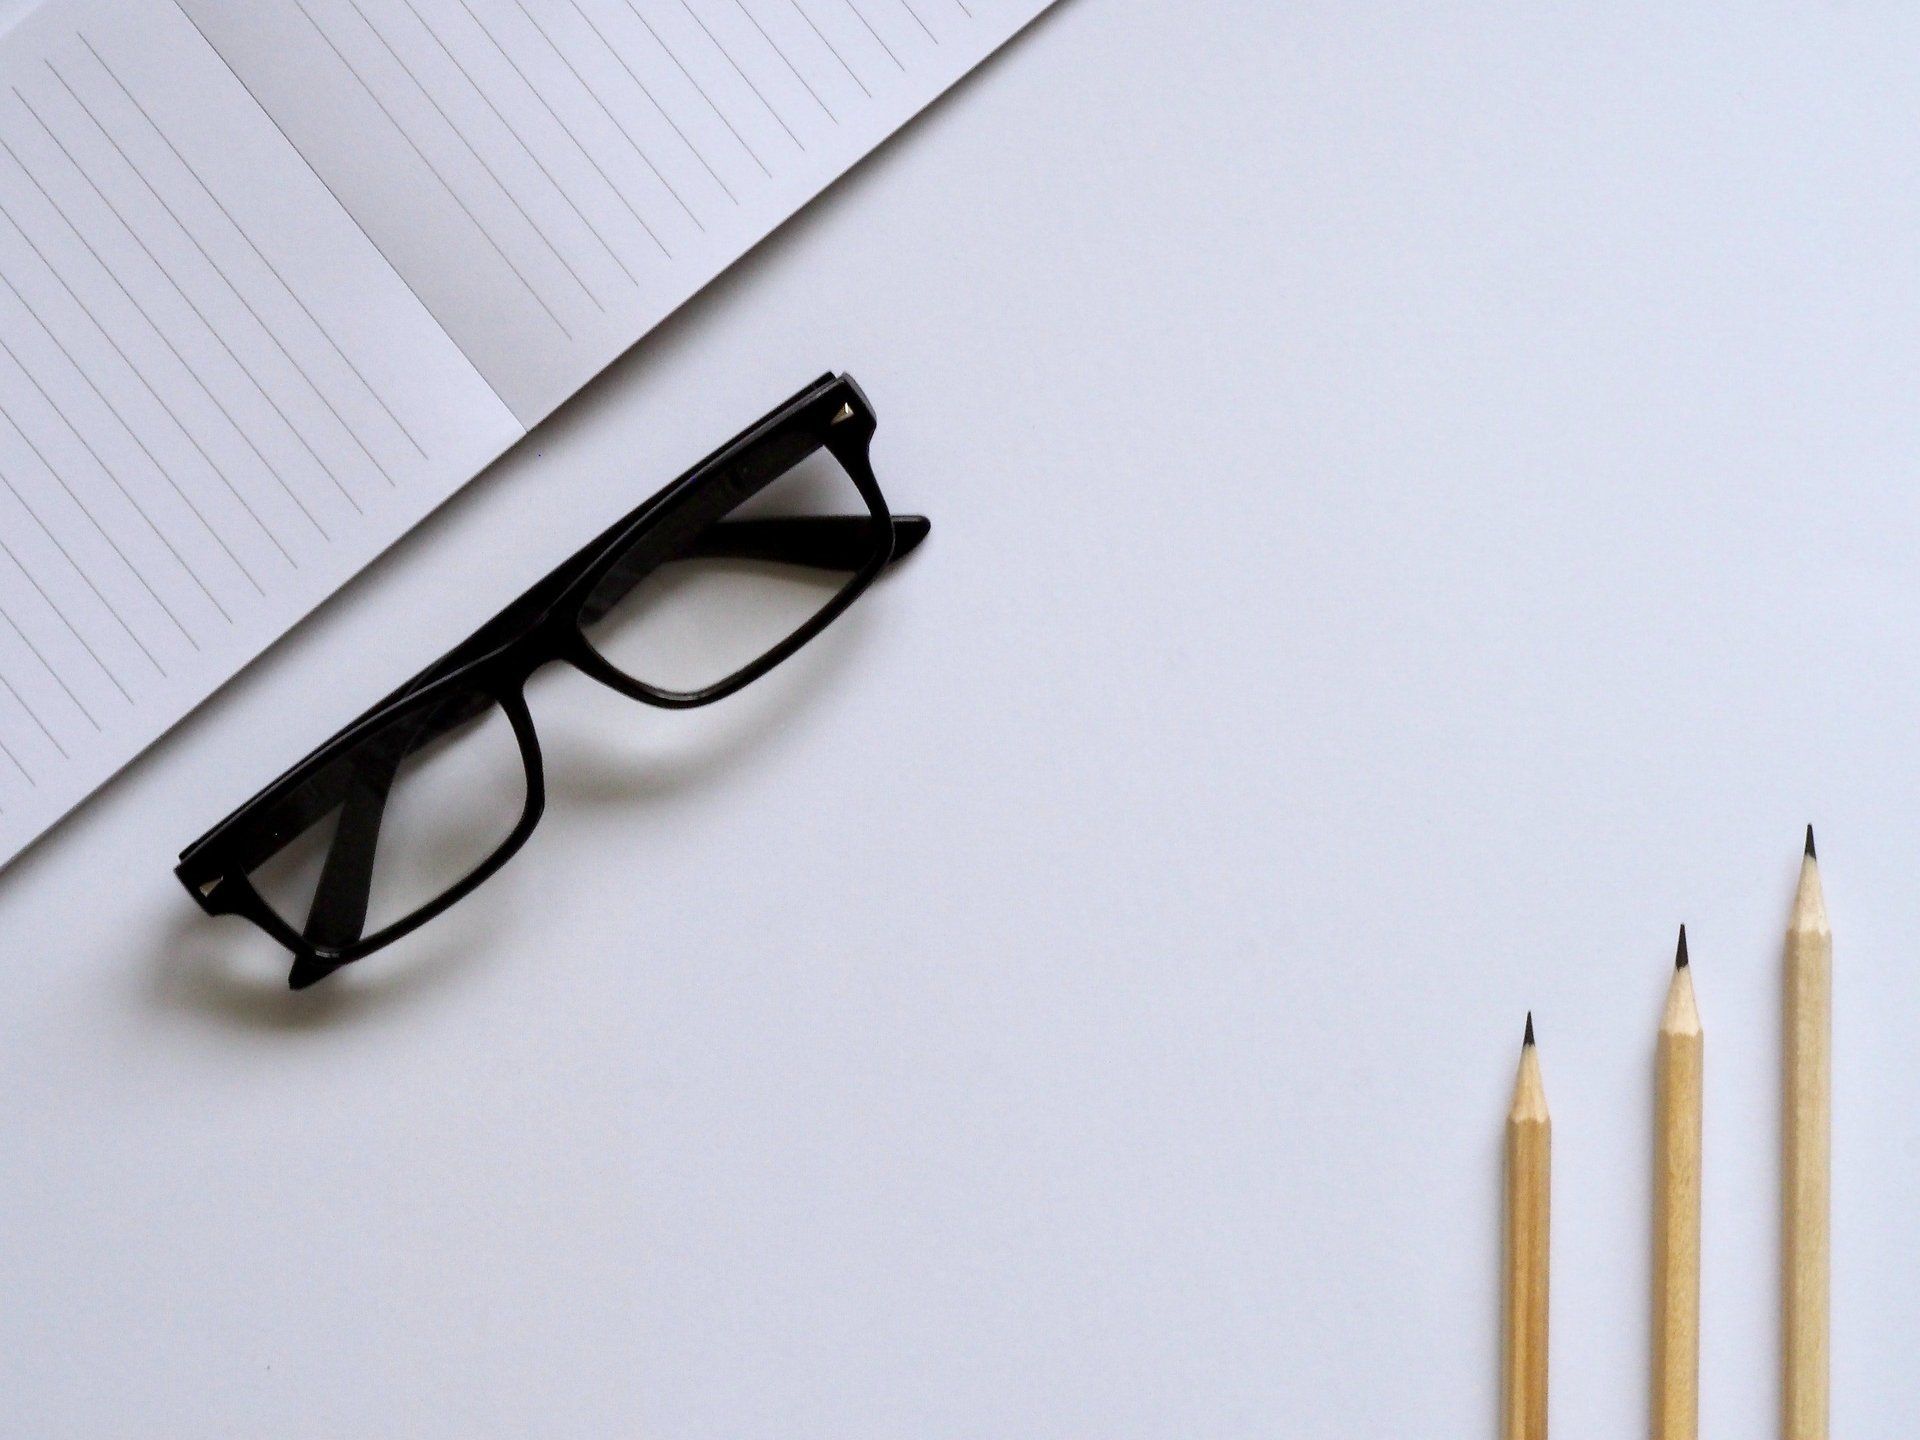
{"x":1423,"y":503}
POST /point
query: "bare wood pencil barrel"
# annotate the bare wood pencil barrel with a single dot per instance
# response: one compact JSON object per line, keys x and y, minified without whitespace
{"x":1529,"y":1186}
{"x":1808,"y":1105}
{"x":1679,"y":1076}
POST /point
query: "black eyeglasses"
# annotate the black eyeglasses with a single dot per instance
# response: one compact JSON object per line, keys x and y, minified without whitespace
{"x":701,"y":590}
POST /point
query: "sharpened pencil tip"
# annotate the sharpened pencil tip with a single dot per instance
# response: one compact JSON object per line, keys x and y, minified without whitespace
{"x":1529,"y":1039}
{"x":1680,"y":955}
{"x":1810,"y":851}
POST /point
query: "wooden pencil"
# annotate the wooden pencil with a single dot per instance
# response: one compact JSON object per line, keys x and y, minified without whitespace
{"x":1679,"y":1072}
{"x":1528,"y":1205}
{"x":1808,"y":1103}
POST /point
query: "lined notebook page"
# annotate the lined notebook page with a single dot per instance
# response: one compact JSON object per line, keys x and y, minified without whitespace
{"x":554,"y":177}
{"x":278,"y":276}
{"x":217,"y":400}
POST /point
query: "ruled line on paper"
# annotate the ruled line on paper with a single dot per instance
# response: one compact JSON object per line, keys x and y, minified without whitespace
{"x":832,"y":48}
{"x":168,"y":341}
{"x":727,"y":54}
{"x":571,"y":137}
{"x":160,"y":400}
{"x":66,"y":756}
{"x":652,"y":99}
{"x":88,"y":511}
{"x":67,"y":554}
{"x":274,"y":270}
{"x":666,"y":114}
{"x":492,"y":174}
{"x":252,"y":245}
{"x":540,"y":96}
{"x":700,"y":89}
{"x":26,"y":774}
{"x":614,"y":120}
{"x":220,"y":271}
{"x":861,"y":16}
{"x":787,"y":60}
{"x":201,"y":356}
{"x":33,"y":714}
{"x":133,"y":434}
{"x":179,"y":289}
{"x":59,"y":614}
{"x":213,"y":330}
{"x":181,"y":7}
{"x":28,"y":710}
{"x":521,"y":140}
{"x":231,"y":325}
{"x":146,"y":567}
{"x":453,"y":194}
{"x":907,"y":5}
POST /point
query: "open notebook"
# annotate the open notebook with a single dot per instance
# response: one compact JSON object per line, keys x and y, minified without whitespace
{"x":278,"y":276}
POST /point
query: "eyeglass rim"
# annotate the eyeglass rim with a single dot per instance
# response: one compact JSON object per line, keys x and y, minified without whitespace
{"x":237,"y":894}
{"x":526,"y":637}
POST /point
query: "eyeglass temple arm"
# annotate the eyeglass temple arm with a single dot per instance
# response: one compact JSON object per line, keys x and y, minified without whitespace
{"x":338,"y":914}
{"x":826,"y":542}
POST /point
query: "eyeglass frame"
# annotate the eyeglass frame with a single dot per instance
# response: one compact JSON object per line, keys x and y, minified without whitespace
{"x":544,"y":626}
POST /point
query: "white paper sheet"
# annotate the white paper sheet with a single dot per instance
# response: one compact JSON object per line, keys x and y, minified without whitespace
{"x":279,"y":276}
{"x":554,"y":177}
{"x":217,"y":401}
